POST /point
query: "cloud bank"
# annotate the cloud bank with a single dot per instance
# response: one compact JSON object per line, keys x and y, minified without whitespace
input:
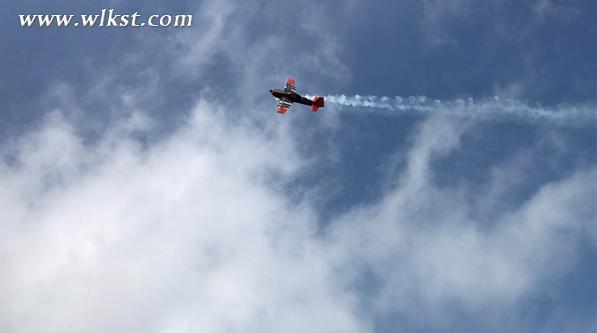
{"x":181,"y":236}
{"x":194,"y":232}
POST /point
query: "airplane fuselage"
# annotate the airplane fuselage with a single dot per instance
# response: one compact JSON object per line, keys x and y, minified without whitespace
{"x":291,"y":97}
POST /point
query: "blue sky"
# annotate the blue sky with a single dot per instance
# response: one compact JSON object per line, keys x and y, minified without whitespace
{"x":147,"y":184}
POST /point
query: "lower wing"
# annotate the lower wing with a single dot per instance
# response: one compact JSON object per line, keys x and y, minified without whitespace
{"x":283,"y":106}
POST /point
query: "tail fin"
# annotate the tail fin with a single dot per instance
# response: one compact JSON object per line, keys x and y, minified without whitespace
{"x":317,"y":103}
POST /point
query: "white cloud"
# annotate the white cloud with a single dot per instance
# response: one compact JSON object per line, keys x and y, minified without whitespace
{"x":181,"y":236}
{"x":187,"y":235}
{"x":232,"y":32}
{"x":432,"y":259}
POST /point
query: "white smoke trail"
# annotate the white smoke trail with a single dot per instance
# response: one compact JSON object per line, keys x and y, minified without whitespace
{"x":488,"y":108}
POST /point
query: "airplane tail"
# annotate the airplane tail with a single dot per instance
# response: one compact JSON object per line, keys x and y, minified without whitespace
{"x":317,"y":103}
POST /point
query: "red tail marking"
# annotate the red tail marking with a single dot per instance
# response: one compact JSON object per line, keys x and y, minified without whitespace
{"x":317,"y":103}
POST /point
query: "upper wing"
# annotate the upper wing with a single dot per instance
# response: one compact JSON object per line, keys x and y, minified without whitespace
{"x":283,"y":106}
{"x":290,"y":85}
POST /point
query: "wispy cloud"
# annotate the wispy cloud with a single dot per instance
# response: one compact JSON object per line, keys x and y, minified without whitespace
{"x":424,"y":255}
{"x":545,"y":9}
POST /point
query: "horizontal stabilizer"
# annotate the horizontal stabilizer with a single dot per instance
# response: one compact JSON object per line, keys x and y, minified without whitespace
{"x":317,"y":103}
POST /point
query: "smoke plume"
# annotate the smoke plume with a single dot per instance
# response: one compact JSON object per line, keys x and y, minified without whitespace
{"x":488,"y":108}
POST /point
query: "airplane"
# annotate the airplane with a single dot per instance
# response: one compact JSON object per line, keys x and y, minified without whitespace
{"x":289,"y":96}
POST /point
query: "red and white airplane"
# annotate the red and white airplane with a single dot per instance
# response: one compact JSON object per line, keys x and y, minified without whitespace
{"x":289,"y":96}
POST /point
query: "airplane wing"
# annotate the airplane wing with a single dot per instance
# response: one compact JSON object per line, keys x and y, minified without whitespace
{"x":290,"y":86}
{"x":283,"y":106}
